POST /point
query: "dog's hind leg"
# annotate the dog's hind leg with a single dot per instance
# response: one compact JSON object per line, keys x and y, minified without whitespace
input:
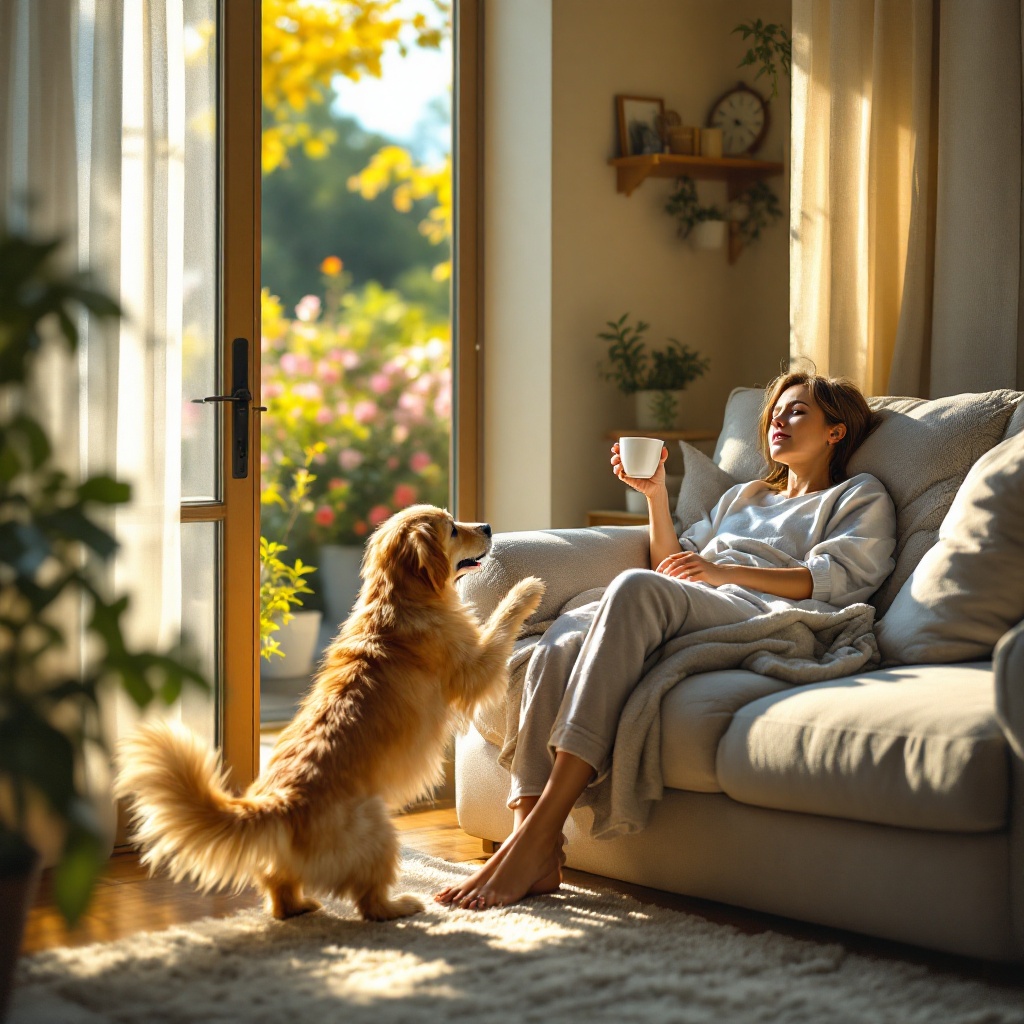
{"x":284,"y":897}
{"x":370,"y":880}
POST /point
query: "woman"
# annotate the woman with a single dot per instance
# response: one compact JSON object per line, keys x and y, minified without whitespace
{"x":805,"y":532}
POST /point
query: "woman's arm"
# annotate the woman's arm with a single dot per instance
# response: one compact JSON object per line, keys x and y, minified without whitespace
{"x":796,"y":584}
{"x":664,"y":541}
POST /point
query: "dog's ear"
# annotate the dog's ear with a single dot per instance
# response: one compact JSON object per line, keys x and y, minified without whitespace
{"x":429,"y":554}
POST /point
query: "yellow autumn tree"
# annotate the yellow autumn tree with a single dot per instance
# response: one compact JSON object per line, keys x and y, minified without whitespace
{"x":306,"y":44}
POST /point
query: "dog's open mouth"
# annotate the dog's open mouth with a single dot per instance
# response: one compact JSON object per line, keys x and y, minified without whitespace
{"x":469,"y":565}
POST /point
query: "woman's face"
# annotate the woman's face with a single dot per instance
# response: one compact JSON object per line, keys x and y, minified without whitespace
{"x":798,"y":432}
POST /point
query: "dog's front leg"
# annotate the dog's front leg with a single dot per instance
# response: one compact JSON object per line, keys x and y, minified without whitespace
{"x":484,"y":672}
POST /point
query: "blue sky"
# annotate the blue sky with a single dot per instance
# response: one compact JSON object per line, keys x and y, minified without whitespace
{"x":398,"y":104}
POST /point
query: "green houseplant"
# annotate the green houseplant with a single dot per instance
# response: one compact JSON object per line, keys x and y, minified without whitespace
{"x":657,"y":378}
{"x":769,"y":43}
{"x":704,"y":225}
{"x":52,"y":551}
{"x":756,"y":209}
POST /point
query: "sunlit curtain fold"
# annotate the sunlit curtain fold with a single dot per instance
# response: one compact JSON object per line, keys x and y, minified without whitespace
{"x":91,"y":129}
{"x":906,"y":209}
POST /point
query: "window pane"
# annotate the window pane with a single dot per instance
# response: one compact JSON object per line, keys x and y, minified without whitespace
{"x":200,"y":623}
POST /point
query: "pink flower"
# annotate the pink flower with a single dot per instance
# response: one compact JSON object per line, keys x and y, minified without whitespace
{"x":364,"y":411}
{"x":404,"y":495}
{"x":349,"y":459}
{"x":419,"y":462}
{"x":324,"y":515}
{"x":392,"y":462}
{"x":272,"y":390}
{"x":380,"y":383}
{"x":328,"y":372}
{"x":359,"y":528}
{"x":400,"y":433}
{"x":344,"y":357}
{"x":335,"y":482}
{"x":289,"y":362}
{"x":323,"y":415}
{"x":378,"y":514}
{"x":309,"y":390}
{"x":308,"y":308}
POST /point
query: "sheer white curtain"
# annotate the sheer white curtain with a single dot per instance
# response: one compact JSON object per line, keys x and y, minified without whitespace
{"x":906,"y":269}
{"x":91,"y":134}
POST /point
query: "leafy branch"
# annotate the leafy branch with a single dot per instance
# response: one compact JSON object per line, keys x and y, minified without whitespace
{"x":771,"y":43}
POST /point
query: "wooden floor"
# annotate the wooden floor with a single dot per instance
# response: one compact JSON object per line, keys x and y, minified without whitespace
{"x":127,"y":901}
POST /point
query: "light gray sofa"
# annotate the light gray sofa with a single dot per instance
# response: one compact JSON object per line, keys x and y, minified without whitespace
{"x":890,"y":802}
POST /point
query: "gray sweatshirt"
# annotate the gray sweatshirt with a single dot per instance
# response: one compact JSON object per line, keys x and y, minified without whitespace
{"x":844,"y":535}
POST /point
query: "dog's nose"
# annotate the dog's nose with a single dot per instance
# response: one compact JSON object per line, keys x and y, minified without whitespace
{"x":486,"y":527}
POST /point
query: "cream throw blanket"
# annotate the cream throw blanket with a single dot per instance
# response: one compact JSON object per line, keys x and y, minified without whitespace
{"x":798,"y":645}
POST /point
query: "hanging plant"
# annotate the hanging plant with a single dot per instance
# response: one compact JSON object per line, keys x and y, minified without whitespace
{"x":684,"y":205}
{"x":761,"y":209}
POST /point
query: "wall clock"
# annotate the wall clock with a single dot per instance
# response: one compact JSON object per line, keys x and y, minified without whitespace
{"x":742,"y":114}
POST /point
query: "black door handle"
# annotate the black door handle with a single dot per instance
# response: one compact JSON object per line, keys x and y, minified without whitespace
{"x":241,"y":396}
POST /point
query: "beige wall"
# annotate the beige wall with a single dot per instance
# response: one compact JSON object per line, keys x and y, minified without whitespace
{"x":606,"y":254}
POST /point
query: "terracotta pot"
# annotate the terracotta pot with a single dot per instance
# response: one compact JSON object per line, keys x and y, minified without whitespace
{"x":16,"y":894}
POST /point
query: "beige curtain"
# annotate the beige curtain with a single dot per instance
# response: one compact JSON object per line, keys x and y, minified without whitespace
{"x":906,"y":264}
{"x":93,"y":118}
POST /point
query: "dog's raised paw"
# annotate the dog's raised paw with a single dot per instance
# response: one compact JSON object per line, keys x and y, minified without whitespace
{"x":526,"y":595}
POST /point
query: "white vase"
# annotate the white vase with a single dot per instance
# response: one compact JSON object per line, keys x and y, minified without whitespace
{"x":650,"y":404}
{"x":299,"y":640}
{"x":338,"y":572}
{"x":708,"y":234}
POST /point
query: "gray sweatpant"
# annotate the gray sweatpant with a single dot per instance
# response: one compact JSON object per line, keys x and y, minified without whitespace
{"x":589,"y":661}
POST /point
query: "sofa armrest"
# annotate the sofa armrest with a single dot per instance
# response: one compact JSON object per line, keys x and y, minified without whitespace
{"x":1009,"y":673}
{"x":569,"y":562}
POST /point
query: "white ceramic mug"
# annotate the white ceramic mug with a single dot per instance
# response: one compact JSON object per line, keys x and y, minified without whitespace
{"x":640,"y":456}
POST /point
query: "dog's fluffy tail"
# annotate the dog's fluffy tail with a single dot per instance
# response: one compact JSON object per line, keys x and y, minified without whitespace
{"x":184,"y":817}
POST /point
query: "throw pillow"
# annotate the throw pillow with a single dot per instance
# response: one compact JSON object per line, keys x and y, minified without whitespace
{"x":703,"y":484}
{"x":966,"y":591}
{"x":737,"y":452}
{"x":922,"y":450}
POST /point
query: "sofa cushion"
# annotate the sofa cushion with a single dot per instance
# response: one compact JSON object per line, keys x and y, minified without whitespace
{"x":922,"y":451}
{"x":966,"y":592}
{"x":912,"y":747}
{"x":694,"y":716}
{"x":736,"y":451}
{"x":703,"y":484}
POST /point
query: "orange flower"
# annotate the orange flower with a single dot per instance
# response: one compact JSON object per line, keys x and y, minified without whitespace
{"x":331,"y":266}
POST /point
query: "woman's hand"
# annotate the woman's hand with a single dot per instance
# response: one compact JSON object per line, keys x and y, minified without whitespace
{"x":688,"y":565}
{"x":648,"y":487}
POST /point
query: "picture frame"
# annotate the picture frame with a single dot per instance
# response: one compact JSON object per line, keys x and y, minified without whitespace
{"x":638,"y":124}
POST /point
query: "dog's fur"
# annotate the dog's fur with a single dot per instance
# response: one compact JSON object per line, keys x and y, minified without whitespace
{"x":409,"y":662}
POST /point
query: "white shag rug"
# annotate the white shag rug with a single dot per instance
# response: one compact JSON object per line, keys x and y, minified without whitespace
{"x":580,"y":955}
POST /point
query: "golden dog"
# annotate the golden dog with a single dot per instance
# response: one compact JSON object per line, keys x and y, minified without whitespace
{"x":409,"y":662}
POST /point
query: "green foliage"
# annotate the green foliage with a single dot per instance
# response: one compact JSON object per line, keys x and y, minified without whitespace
{"x":52,"y":551}
{"x":632,"y":368}
{"x":664,"y":408}
{"x":763,"y":210}
{"x":684,"y":205}
{"x":309,"y":212}
{"x":771,"y":43}
{"x":281,"y":583}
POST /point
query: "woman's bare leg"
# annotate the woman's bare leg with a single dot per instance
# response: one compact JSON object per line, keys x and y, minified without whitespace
{"x":530,"y":856}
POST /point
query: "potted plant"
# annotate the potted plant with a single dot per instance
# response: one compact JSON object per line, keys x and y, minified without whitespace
{"x":293,"y":650}
{"x":703,"y":225}
{"x":53,"y":549}
{"x":658,"y":378}
{"x":365,"y":375}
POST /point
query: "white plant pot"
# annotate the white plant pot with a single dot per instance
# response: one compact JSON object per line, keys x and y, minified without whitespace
{"x":708,"y":234}
{"x":650,"y":403}
{"x":338,"y":573}
{"x":300,"y":645}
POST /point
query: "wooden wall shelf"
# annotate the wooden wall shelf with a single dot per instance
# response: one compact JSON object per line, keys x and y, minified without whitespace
{"x":739,"y":173}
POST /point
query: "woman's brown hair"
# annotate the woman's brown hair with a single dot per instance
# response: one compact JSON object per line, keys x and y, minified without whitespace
{"x":840,"y":400}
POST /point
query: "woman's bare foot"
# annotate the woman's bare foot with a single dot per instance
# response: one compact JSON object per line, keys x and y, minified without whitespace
{"x":531,"y":864}
{"x":548,"y":883}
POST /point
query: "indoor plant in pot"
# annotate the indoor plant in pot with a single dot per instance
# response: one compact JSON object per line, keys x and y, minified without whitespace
{"x":657,"y":378}
{"x":53,"y":550}
{"x":704,"y":225}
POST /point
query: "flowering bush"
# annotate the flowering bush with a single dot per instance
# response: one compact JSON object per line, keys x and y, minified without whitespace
{"x":366,"y":379}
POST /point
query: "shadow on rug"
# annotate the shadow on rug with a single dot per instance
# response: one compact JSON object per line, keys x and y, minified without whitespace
{"x":582,"y":954}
